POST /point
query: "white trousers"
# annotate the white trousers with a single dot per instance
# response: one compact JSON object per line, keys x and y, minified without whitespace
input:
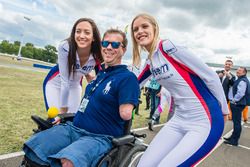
{"x":176,"y":142}
{"x":53,"y":97}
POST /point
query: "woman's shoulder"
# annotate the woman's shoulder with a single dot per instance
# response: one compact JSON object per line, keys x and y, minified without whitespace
{"x":64,"y":46}
{"x":168,"y":46}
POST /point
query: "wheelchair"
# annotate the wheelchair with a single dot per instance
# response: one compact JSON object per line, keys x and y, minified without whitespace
{"x":125,"y":152}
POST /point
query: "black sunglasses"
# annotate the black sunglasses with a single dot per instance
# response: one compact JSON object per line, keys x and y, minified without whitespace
{"x":114,"y":45}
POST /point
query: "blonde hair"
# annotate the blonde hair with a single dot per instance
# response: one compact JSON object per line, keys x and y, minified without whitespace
{"x":136,"y":48}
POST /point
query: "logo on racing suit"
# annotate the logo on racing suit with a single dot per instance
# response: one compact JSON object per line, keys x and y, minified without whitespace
{"x":160,"y":70}
{"x":84,"y":68}
{"x":107,"y":88}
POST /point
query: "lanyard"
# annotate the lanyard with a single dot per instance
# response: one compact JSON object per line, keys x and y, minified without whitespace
{"x":92,"y":90}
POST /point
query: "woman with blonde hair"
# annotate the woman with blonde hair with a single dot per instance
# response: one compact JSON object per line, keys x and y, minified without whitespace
{"x":198,"y":123}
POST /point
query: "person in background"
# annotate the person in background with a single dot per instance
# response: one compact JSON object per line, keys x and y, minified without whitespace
{"x":198,"y":123}
{"x":245,"y":114}
{"x":78,"y":55}
{"x":227,"y":80}
{"x":165,"y":101}
{"x":147,"y":96}
{"x":238,"y":101}
{"x":226,"y":77}
{"x":136,"y":71}
{"x":155,"y":89}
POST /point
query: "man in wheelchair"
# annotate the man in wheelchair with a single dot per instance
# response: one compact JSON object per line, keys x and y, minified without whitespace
{"x":106,"y":106}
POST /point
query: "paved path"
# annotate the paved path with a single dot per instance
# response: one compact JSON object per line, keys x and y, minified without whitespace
{"x":222,"y":156}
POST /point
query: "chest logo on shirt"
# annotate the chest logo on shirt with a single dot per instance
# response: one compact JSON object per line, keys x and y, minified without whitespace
{"x":160,"y":70}
{"x":107,"y":88}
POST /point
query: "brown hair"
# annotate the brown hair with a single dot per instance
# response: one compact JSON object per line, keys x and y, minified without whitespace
{"x":229,"y":61}
{"x":245,"y":69}
{"x":95,"y":46}
{"x":116,"y":31}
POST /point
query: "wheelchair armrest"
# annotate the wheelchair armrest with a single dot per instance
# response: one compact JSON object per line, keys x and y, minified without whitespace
{"x":41,"y":123}
{"x":66,"y":117}
{"x":123,"y":140}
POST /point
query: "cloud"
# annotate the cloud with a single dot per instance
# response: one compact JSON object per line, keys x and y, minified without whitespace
{"x":211,"y":28}
{"x":226,"y":51}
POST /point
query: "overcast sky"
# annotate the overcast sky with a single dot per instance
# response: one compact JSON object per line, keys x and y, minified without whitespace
{"x":213,"y":29}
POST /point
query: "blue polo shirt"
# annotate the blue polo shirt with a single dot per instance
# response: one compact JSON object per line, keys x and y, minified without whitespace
{"x":101,"y":115}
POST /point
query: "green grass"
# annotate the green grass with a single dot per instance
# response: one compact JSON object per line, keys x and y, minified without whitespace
{"x":4,"y":59}
{"x":20,"y":97}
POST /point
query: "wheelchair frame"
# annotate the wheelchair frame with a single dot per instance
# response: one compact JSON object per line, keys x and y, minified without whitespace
{"x":126,"y":150}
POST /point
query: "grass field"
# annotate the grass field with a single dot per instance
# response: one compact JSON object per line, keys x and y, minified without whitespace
{"x":20,"y":97}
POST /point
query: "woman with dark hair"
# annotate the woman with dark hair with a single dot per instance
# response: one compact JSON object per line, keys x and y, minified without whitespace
{"x":78,"y":55}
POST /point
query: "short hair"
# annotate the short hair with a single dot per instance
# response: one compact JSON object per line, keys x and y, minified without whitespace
{"x":117,"y":31}
{"x":228,"y":60}
{"x":245,"y":69}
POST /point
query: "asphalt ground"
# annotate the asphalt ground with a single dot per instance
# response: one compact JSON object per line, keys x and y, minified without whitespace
{"x":222,"y":156}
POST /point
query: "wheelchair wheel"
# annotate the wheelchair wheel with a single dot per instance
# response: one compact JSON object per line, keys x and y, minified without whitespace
{"x":115,"y":156}
{"x":133,"y":156}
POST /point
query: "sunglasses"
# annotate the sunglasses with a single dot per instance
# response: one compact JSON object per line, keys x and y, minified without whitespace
{"x":114,"y":45}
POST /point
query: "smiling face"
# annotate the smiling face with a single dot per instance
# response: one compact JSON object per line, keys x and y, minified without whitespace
{"x":84,"y":35}
{"x":143,"y":32}
{"x":228,"y":65}
{"x":240,"y":72}
{"x":113,"y":56}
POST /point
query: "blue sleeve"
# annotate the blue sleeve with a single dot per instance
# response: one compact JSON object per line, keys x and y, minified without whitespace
{"x":241,"y":89}
{"x":129,"y":90}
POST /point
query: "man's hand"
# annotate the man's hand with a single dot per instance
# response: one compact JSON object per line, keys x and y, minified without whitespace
{"x":228,"y":74}
{"x":220,"y":75}
{"x":63,"y":110}
{"x":57,"y":121}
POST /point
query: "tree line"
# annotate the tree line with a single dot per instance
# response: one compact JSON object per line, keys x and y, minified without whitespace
{"x":47,"y":54}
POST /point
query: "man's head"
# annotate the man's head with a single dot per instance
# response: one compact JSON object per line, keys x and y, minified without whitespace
{"x":114,"y":45}
{"x":241,"y":71}
{"x":228,"y":65}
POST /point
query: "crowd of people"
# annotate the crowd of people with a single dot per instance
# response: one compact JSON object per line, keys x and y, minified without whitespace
{"x":174,"y":75}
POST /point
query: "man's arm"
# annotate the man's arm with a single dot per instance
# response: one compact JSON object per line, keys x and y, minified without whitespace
{"x":126,"y":111}
{"x":241,"y":89}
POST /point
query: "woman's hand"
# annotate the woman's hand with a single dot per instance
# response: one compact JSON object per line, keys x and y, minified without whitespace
{"x":63,"y":110}
{"x":89,"y":77}
{"x":57,"y":121}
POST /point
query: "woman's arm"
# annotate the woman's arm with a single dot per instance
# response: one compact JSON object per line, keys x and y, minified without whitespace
{"x":144,"y":75}
{"x":64,"y":75}
{"x":198,"y":67}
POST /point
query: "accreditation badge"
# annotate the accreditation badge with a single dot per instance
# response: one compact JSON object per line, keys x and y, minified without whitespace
{"x":83,"y":104}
